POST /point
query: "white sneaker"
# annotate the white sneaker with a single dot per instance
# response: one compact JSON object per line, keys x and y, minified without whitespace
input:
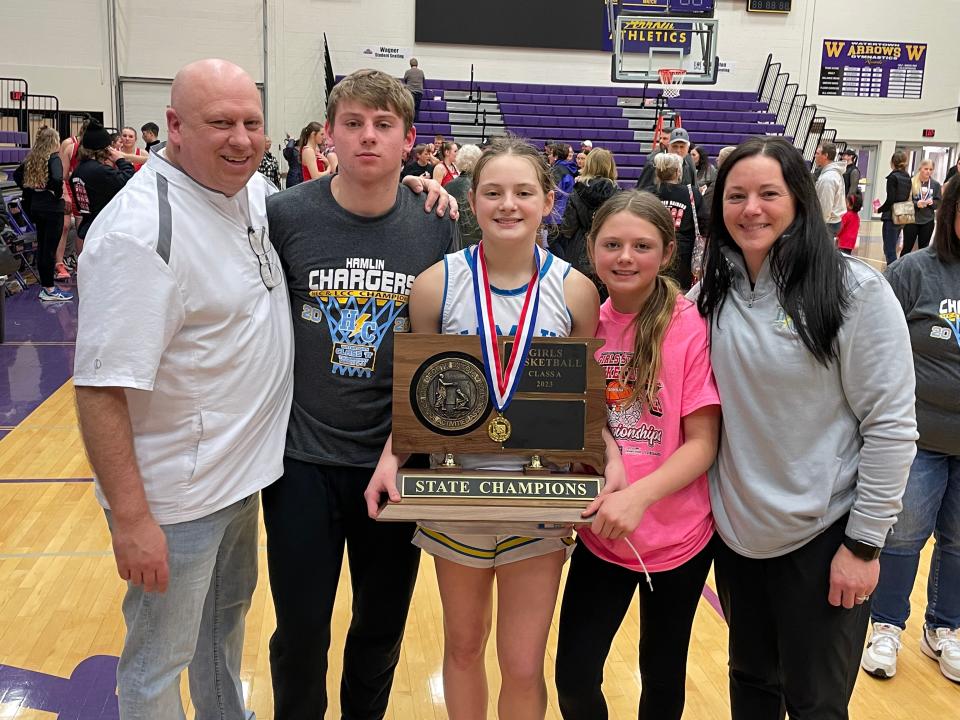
{"x":880,"y":655}
{"x":943,"y":645}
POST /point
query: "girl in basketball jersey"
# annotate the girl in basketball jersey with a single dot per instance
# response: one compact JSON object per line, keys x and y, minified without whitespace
{"x":653,"y":532}
{"x":511,"y":192}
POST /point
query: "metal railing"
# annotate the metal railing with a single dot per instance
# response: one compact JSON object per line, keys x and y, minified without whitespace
{"x":43,"y":110}
{"x":13,"y":104}
{"x":476,"y":108}
{"x":807,"y":116}
{"x":799,"y":120}
{"x":771,"y":71}
{"x":776,"y":99}
{"x":814,"y":136}
{"x":794,"y":116}
{"x":786,"y":103}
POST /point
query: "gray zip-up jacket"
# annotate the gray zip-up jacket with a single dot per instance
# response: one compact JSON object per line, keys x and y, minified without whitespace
{"x":802,"y":444}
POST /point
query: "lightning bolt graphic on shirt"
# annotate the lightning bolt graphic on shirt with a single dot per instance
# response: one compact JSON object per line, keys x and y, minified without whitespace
{"x":359,"y":324}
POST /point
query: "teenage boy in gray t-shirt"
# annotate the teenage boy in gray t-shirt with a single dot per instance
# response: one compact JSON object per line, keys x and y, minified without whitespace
{"x":350,"y":246}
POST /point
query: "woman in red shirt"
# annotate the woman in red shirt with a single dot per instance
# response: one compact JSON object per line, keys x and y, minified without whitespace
{"x":128,"y":146}
{"x":446,"y":170}
{"x":312,"y":161}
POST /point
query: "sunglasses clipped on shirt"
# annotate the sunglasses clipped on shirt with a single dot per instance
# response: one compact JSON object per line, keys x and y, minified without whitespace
{"x":263,"y":249}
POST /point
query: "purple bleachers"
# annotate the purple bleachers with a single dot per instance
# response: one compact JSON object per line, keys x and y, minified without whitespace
{"x":560,"y":110}
{"x":9,"y":154}
{"x":11,"y":137}
{"x":616,"y":91}
{"x":599,"y":123}
{"x":748,"y":117}
{"x":434,"y":117}
{"x":13,"y":156}
{"x":571,"y":113}
{"x":555,"y":99}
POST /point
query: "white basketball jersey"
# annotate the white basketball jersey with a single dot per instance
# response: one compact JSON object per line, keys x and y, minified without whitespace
{"x":459,"y":317}
{"x":459,"y":314}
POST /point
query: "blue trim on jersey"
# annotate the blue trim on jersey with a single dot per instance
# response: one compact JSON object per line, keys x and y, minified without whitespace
{"x":517,"y":291}
{"x":546,"y":264}
{"x":509,"y":293}
{"x":567,"y":271}
{"x":443,"y":305}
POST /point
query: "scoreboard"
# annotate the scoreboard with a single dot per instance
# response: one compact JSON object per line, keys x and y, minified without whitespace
{"x":673,"y":8}
{"x":562,"y":24}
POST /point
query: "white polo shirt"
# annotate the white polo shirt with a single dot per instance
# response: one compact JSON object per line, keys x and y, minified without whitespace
{"x":174,"y":310}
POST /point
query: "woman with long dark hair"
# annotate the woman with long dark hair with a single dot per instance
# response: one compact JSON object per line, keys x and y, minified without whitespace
{"x":706,"y":172}
{"x":899,"y":185}
{"x":312,"y":161}
{"x":811,"y":356}
{"x":40,"y":176}
{"x":446,"y":170}
{"x":926,"y":282}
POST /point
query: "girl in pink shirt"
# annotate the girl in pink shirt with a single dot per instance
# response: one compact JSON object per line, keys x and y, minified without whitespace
{"x":653,"y":530}
{"x":850,"y":224}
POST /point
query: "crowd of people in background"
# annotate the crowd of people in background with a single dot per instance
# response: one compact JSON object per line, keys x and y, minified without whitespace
{"x":685,"y":187}
{"x":311,"y":155}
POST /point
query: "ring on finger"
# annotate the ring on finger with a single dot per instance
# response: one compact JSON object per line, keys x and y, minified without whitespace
{"x":862,"y":598}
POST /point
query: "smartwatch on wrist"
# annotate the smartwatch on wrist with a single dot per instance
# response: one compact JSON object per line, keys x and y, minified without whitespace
{"x":862,"y":550}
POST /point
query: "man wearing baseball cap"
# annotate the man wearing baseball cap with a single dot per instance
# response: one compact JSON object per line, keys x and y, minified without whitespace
{"x":679,"y":144}
{"x":101,"y":173}
{"x":851,"y":175}
{"x":586,"y":146}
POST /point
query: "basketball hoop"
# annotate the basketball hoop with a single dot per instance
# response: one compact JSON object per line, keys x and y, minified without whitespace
{"x":671,"y":79}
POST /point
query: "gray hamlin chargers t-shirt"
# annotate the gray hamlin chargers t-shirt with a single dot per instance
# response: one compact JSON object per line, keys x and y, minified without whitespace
{"x":929,"y":291}
{"x":349,"y":278}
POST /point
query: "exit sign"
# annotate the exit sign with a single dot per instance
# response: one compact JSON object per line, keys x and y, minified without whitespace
{"x":17,"y":95}
{"x":929,"y":132}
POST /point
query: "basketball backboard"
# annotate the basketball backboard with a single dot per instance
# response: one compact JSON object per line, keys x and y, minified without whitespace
{"x":643,"y":43}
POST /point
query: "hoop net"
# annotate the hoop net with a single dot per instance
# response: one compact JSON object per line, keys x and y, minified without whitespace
{"x":672,"y":79}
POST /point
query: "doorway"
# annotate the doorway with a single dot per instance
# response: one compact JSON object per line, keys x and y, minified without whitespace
{"x":939,"y":154}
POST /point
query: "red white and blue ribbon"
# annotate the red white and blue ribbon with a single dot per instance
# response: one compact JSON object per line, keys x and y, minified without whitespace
{"x":504,"y":380}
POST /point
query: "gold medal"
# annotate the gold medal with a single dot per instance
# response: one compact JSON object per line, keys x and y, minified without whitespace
{"x":499,"y":429}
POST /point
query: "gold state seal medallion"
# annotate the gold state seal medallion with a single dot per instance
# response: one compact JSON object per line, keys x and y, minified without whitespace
{"x":451,"y":394}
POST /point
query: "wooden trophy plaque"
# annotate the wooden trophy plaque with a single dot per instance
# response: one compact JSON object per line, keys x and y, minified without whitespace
{"x":442,"y":406}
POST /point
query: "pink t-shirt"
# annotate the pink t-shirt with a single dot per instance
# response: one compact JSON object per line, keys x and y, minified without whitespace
{"x":680,"y":525}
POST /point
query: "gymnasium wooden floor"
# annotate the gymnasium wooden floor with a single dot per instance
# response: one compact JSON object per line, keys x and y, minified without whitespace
{"x":60,"y":622}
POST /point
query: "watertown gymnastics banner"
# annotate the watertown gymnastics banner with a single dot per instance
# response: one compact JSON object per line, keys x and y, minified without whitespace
{"x":874,"y":69}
